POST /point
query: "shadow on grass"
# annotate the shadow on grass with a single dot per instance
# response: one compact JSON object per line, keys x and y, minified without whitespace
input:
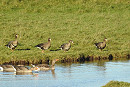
{"x":23,"y":49}
{"x":105,"y":50}
{"x":55,"y":50}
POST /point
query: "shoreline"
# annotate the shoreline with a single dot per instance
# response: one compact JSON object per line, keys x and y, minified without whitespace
{"x":81,"y":59}
{"x":117,"y":84}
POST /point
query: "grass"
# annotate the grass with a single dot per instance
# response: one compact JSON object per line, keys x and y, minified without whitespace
{"x":83,"y":21}
{"x":117,"y":84}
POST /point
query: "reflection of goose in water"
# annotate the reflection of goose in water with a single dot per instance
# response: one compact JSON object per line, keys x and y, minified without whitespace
{"x":53,"y":73}
{"x":46,"y":66}
{"x":7,"y":68}
{"x":24,"y":73}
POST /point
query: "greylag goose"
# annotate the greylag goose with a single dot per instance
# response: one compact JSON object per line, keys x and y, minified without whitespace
{"x":44,"y":46}
{"x":26,"y":69}
{"x":13,"y":44}
{"x":66,"y":46}
{"x":7,"y":68}
{"x":101,"y":45}
{"x":45,"y":67}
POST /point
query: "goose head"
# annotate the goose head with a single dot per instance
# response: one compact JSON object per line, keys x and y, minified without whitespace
{"x":105,"y":40}
{"x":49,"y":39}
{"x":16,"y":36}
{"x":70,"y":41}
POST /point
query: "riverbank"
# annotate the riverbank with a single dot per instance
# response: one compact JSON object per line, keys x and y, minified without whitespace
{"x":84,"y":22}
{"x":81,"y":59}
{"x":117,"y":84}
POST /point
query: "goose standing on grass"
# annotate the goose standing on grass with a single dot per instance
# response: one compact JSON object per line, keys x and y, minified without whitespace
{"x":45,"y":67}
{"x":66,"y":46}
{"x":44,"y":46}
{"x":7,"y":68}
{"x":101,"y":45}
{"x":13,"y":44}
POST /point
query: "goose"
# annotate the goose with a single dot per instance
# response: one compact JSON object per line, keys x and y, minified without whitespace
{"x":101,"y":45}
{"x":26,"y":69}
{"x":66,"y":46}
{"x":7,"y":68}
{"x":44,"y":46}
{"x":13,"y":44}
{"x":45,"y":67}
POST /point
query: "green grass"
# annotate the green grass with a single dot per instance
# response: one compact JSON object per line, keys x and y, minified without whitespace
{"x":117,"y":84}
{"x":83,"y":21}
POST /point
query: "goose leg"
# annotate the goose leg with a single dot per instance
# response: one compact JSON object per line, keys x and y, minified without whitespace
{"x":12,"y":50}
{"x":42,"y":51}
{"x":100,"y":50}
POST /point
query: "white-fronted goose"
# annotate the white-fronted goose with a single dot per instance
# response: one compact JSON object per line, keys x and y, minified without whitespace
{"x":44,"y":46}
{"x":66,"y":46}
{"x":7,"y":68}
{"x":45,"y":67}
{"x":101,"y":45}
{"x":13,"y":44}
{"x":25,"y":69}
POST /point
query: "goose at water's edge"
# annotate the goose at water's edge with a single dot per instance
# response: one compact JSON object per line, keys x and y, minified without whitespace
{"x":26,"y":69}
{"x":7,"y":68}
{"x":11,"y":68}
{"x":46,"y":66}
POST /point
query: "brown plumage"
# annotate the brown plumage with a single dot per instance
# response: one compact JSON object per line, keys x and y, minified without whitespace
{"x":13,"y":44}
{"x":44,"y":46}
{"x":11,"y":68}
{"x":7,"y":68}
{"x":46,"y":66}
{"x":25,"y":69}
{"x":101,"y":45}
{"x":66,"y":46}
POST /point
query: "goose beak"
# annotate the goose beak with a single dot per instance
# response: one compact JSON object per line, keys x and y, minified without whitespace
{"x":36,"y":68}
{"x":57,"y":59}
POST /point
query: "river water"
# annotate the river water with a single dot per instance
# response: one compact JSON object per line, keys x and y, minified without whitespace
{"x":88,"y":74}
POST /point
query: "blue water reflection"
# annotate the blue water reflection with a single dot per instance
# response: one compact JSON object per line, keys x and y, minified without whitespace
{"x":89,"y":74}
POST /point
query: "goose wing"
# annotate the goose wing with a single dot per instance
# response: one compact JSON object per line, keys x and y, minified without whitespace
{"x":43,"y":65}
{"x":43,"y":46}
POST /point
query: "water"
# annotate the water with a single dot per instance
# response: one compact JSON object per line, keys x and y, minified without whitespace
{"x":90,"y":74}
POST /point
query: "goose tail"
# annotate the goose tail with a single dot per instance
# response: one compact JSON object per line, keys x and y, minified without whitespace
{"x":96,"y":44}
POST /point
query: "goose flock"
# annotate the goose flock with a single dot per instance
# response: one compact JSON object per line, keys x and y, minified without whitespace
{"x":43,"y":46}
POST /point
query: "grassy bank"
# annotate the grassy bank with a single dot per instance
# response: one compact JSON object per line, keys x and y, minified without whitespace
{"x":117,"y":84}
{"x":83,"y":21}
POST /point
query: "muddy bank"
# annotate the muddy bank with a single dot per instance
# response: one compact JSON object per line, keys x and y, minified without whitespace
{"x":82,"y":58}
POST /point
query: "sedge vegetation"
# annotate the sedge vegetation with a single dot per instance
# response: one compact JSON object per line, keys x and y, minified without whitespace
{"x":83,"y":21}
